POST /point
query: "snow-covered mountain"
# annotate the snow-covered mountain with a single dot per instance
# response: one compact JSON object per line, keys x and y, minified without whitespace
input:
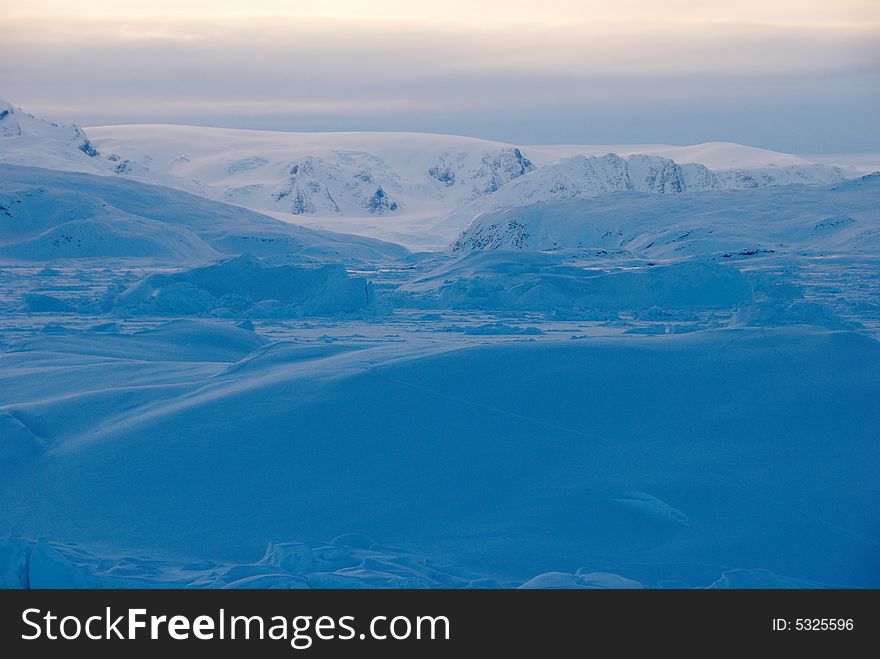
{"x":406,"y":175}
{"x":719,"y":156}
{"x":29,"y":140}
{"x":582,"y":177}
{"x":417,"y":189}
{"x":732,"y":222}
{"x":328,"y":174}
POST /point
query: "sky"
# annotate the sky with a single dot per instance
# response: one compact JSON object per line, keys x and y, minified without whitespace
{"x":800,"y":76}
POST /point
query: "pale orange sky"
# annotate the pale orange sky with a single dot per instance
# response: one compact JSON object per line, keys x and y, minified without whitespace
{"x":785,"y":12}
{"x":775,"y":71}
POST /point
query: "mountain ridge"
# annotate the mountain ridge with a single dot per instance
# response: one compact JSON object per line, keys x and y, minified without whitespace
{"x":420,"y":189}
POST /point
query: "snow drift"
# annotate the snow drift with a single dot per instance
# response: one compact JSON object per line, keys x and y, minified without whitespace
{"x":246,"y":285}
{"x":517,"y":281}
{"x":659,"y":458}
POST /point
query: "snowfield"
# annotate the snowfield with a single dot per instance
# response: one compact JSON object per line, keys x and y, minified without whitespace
{"x":656,"y":368}
{"x":661,"y":459}
{"x":420,"y":190}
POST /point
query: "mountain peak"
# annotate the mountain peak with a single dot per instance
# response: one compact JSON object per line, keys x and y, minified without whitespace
{"x":9,"y":126}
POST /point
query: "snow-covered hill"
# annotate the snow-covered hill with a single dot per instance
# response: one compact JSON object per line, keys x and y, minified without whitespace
{"x":582,"y":177}
{"x":29,"y":140}
{"x":836,"y":217}
{"x":49,"y":214}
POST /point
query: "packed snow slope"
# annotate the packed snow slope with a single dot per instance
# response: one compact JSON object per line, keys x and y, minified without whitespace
{"x":662,"y":459}
{"x":49,"y":214}
{"x":840,"y":217}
